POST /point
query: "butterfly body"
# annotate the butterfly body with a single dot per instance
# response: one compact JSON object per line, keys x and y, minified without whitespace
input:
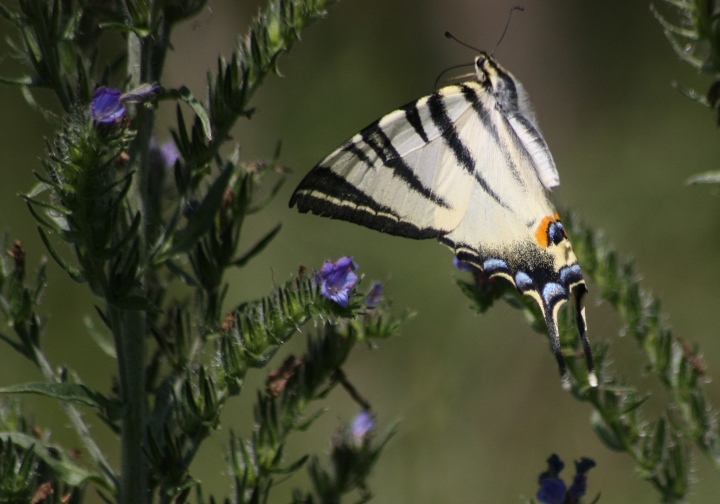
{"x":468,"y":166}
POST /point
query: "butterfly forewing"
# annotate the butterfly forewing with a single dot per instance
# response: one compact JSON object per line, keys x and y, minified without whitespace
{"x":395,"y":176}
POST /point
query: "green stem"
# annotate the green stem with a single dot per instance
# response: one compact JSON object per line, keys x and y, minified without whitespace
{"x":129,"y":331}
{"x":128,"y":327}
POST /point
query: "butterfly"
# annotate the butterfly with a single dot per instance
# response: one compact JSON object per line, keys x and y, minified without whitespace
{"x":466,"y":165}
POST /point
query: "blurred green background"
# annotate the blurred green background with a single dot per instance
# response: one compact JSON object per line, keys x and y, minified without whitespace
{"x":479,"y":397}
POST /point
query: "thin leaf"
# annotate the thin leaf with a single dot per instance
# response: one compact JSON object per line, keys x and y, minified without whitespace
{"x":74,"y":273}
{"x":47,"y":114}
{"x":186,"y":238}
{"x":257,"y":248}
{"x":18,"y":81}
{"x":136,"y":303}
{"x":71,"y":392}
{"x":63,"y":466}
{"x":17,"y":346}
{"x":12,"y":17}
{"x":186,"y":95}
{"x":101,"y":338}
{"x":186,"y":277}
{"x":141,"y":32}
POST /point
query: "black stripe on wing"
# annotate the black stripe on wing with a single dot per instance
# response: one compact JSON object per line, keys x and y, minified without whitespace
{"x":471,"y":96}
{"x":413,"y":117}
{"x":325,"y":193}
{"x":444,"y":124}
{"x":375,"y":138}
{"x":536,"y":138}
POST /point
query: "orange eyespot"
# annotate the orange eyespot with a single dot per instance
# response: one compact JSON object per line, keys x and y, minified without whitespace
{"x":550,"y":231}
{"x":541,"y":232}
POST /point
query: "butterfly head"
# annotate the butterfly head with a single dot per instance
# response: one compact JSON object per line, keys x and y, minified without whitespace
{"x":498,"y":81}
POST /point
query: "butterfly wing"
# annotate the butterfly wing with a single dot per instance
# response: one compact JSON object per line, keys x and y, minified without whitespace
{"x":394,"y":176}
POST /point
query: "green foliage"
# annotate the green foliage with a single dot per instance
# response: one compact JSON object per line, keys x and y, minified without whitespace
{"x":131,"y":224}
{"x":118,"y":215}
{"x":660,"y":446}
{"x":693,"y":29}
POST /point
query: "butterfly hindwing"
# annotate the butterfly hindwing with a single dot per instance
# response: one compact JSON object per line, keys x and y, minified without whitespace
{"x":466,"y":165}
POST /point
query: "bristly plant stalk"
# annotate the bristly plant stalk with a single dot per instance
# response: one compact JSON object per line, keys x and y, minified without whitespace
{"x":128,"y":325}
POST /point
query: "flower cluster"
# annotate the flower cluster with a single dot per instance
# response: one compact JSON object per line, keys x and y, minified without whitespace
{"x":553,"y":489}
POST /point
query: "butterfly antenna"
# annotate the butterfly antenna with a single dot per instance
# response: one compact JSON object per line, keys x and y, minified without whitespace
{"x":507,"y":25}
{"x":453,"y":37}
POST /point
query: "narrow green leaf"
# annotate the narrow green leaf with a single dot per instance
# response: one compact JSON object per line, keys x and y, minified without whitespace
{"x":63,"y":466}
{"x":141,"y":32}
{"x":273,"y":192}
{"x":17,"y":346}
{"x":17,"y":81}
{"x":101,"y":338}
{"x":44,"y":204}
{"x":68,"y":236}
{"x":292,"y":467}
{"x":605,"y":433}
{"x":71,"y":392}
{"x":11,"y":16}
{"x":136,"y":303}
{"x":72,"y":25}
{"x":186,"y":238}
{"x":74,"y":273}
{"x":186,"y":95}
{"x":49,"y":116}
{"x":113,"y":251}
{"x":257,"y":248}
{"x":186,"y":277}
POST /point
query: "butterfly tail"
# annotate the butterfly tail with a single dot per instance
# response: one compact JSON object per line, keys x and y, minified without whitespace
{"x":550,"y":313}
{"x":578,"y":294}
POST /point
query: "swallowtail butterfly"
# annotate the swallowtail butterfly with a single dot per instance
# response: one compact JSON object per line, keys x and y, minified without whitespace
{"x":466,"y":165}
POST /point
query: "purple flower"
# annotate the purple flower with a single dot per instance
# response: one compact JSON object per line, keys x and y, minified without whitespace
{"x":337,"y":279}
{"x":552,"y":491}
{"x":555,"y":465}
{"x":362,"y":426}
{"x":579,"y":485}
{"x":105,"y":106}
{"x":169,"y":153}
{"x":375,"y":295}
{"x":163,"y":157}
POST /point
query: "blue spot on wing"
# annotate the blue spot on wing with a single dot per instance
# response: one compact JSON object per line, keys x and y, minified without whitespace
{"x":552,"y":291}
{"x":523,"y":281}
{"x":493,"y":265}
{"x":571,"y":274}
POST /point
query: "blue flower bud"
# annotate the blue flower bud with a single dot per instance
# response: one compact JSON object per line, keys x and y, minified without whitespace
{"x":362,"y":427}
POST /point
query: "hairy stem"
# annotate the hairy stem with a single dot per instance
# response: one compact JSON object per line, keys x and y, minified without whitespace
{"x":129,"y":332}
